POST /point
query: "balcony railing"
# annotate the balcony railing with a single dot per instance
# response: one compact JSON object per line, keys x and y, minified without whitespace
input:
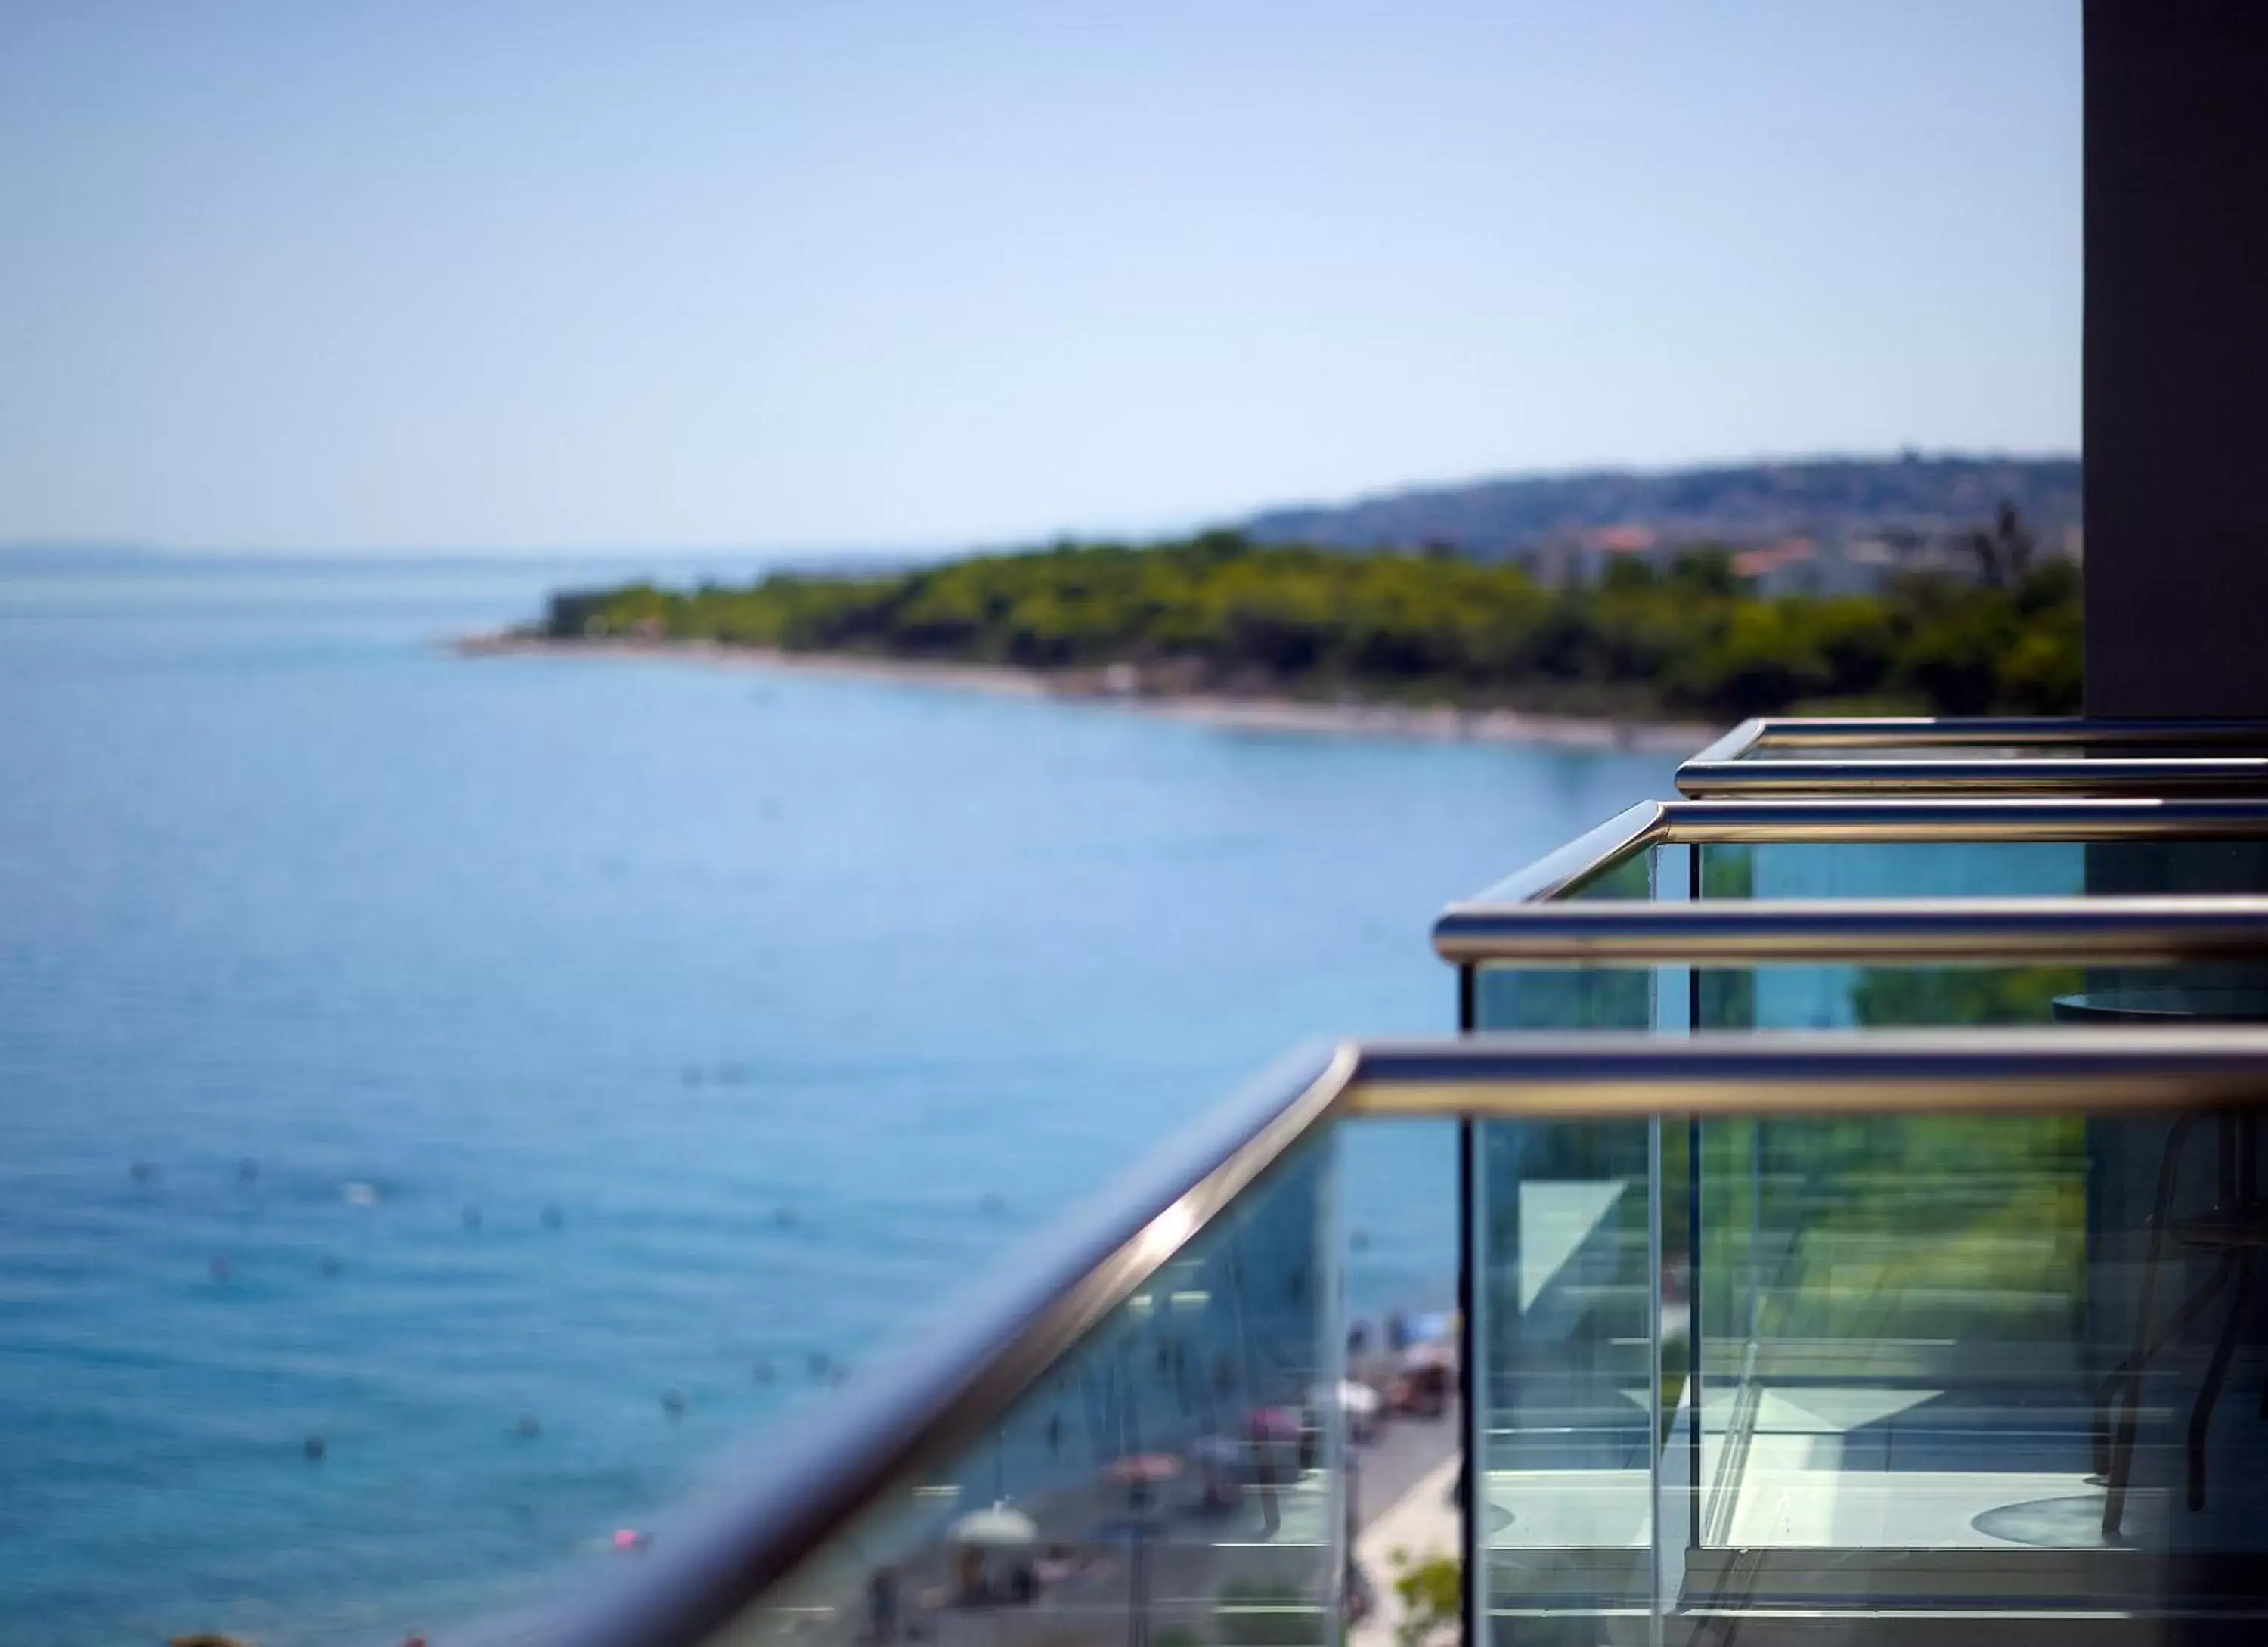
{"x":1914,"y":756}
{"x":1665,"y":1440}
{"x":1077,"y":1416}
{"x":1860,"y":1222}
{"x":1634,"y":840}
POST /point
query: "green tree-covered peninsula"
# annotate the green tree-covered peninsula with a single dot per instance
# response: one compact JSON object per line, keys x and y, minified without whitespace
{"x":1220,"y":613}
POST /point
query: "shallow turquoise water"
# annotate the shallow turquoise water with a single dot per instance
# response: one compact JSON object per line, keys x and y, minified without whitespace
{"x":393,"y":1045}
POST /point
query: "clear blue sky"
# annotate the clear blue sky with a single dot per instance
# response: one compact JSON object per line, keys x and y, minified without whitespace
{"x":801,"y":273}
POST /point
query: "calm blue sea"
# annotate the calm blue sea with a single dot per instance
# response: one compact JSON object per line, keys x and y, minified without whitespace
{"x":394,"y":1046}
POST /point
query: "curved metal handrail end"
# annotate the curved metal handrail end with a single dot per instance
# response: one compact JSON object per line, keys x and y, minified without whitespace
{"x":1735,"y":743}
{"x":1965,"y":818}
{"x":1568,"y":867}
{"x":1625,"y":1075}
{"x":947,"y":1387}
{"x":2146,"y":930}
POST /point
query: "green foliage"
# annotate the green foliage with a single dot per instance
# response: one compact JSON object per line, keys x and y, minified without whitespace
{"x":1959,"y":1229}
{"x":1216,"y":612}
{"x":1897,"y":997}
{"x":1432,"y":1593}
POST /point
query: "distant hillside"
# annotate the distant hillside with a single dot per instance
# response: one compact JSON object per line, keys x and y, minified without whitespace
{"x":1216,"y":615}
{"x":1738,"y":503}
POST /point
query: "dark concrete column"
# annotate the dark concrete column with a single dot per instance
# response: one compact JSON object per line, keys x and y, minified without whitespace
{"x":2176,"y":449}
{"x":2176,"y":357}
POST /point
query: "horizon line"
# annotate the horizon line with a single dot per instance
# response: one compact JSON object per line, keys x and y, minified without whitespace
{"x":97,"y":546}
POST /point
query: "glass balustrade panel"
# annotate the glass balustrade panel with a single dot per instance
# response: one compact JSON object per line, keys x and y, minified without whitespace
{"x":1816,"y":869}
{"x":1172,"y":1480}
{"x":1571,"y":1418}
{"x":1881,"y":1377}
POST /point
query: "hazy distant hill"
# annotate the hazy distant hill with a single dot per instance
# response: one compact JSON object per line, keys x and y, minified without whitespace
{"x":1739,"y":502}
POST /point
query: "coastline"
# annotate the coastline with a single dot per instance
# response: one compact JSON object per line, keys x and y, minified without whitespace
{"x":1440,"y":723}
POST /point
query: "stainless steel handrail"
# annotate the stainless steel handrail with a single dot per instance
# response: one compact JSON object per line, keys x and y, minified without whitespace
{"x":1728,"y":767}
{"x":1821,"y":732}
{"x":1584,"y":858}
{"x":1652,"y":823}
{"x":1751,"y":932}
{"x":2227,"y":775}
{"x":1612,"y":1075}
{"x":948,"y":1391}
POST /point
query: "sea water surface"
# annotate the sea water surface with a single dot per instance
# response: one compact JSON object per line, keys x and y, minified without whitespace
{"x":530,"y":1075}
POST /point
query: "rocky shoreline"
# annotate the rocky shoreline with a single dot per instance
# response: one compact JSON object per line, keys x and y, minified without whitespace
{"x":1120,"y":688}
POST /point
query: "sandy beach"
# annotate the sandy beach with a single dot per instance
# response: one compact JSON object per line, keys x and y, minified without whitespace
{"x":1442,"y":723}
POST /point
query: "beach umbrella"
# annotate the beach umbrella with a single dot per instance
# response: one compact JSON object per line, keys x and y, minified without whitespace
{"x":999,"y":1528}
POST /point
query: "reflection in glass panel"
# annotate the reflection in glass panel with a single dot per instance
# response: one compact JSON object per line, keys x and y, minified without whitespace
{"x":1172,"y":1480}
{"x":1858,"y":1261}
{"x":1548,"y":998}
{"x":1895,"y":869}
{"x":2002,"y":1368}
{"x":1511,"y":997}
{"x":1918,"y":1335}
{"x":1798,"y":996}
{"x":1939,"y":1370}
{"x":1953,"y":868}
{"x":1568,"y":1423}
